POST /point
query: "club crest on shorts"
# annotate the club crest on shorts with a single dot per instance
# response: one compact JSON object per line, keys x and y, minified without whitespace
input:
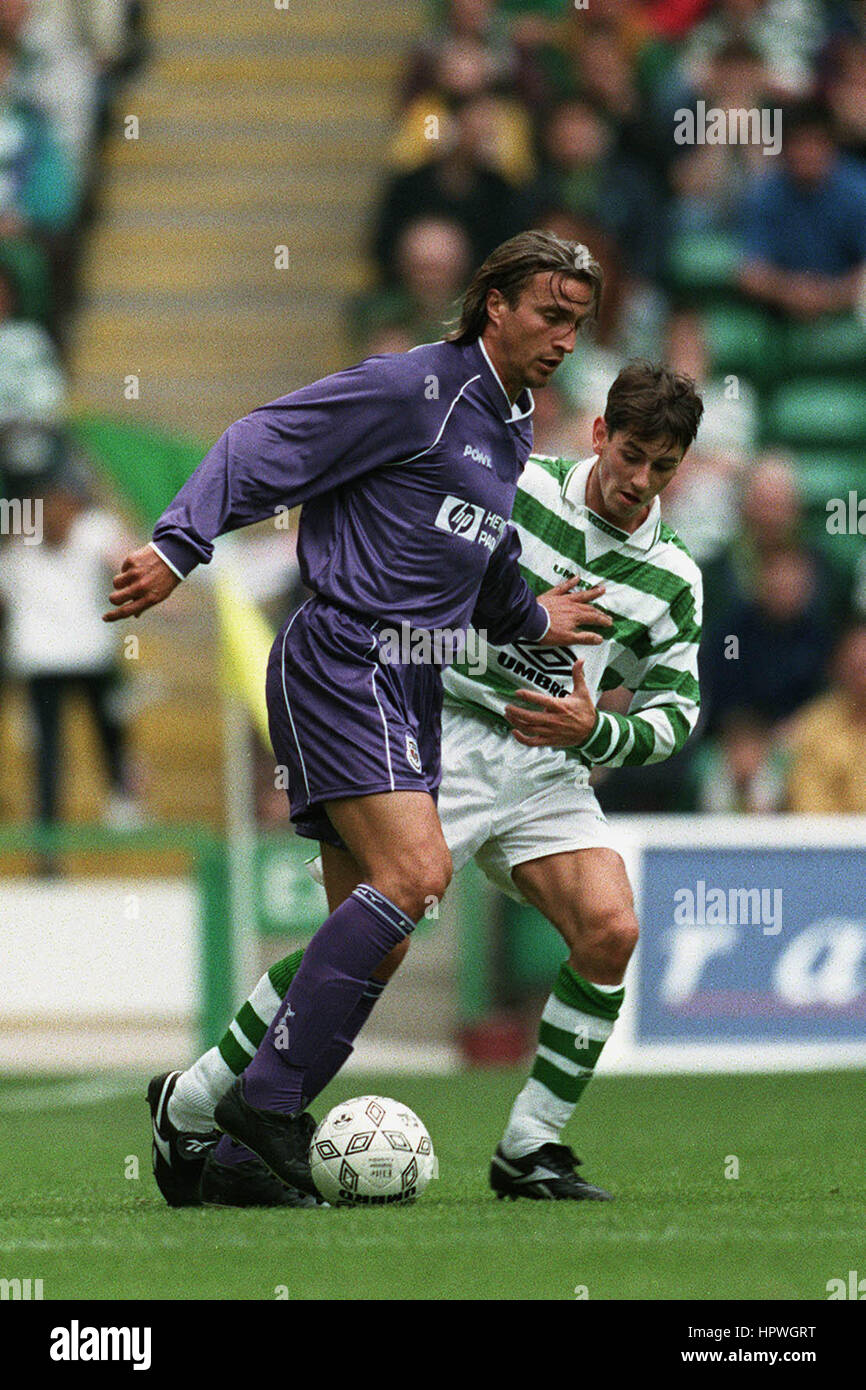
{"x":412,"y":754}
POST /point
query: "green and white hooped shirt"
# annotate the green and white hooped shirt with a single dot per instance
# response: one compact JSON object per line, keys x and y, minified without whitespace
{"x":653,"y":594}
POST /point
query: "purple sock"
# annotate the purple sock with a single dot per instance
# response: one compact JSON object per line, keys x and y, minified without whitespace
{"x":230,"y":1153}
{"x":323,"y":1070}
{"x":330,"y":982}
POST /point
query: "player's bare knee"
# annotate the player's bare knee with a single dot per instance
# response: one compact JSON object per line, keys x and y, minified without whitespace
{"x":620,"y":940}
{"x":611,"y":938}
{"x":416,"y":884}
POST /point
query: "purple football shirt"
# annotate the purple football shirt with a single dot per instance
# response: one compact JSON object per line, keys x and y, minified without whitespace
{"x":405,"y":467}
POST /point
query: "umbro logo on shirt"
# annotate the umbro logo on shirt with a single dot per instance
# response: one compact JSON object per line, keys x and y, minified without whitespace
{"x":475,"y":454}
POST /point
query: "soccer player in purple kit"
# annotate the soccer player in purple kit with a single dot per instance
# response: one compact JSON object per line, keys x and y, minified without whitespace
{"x":405,"y":467}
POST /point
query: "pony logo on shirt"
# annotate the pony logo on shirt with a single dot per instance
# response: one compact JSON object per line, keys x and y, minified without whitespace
{"x":413,"y":757}
{"x":477,"y":456}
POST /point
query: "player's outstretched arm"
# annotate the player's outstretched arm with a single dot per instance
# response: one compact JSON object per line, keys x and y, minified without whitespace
{"x":144,"y":580}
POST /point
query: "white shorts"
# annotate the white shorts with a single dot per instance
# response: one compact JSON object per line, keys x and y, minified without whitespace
{"x":502,"y":803}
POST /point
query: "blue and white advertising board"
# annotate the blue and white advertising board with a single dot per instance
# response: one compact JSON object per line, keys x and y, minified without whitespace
{"x":753,"y":944}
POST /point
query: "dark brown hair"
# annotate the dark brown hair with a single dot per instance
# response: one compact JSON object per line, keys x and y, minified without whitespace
{"x":512,"y":265}
{"x":653,"y":402}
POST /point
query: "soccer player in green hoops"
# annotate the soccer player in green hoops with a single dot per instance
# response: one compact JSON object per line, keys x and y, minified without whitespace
{"x":519,"y":742}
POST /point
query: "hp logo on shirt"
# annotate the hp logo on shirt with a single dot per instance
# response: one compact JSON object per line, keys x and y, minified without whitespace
{"x":460,"y":517}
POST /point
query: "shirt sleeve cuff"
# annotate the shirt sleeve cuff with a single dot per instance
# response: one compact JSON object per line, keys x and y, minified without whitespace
{"x":536,"y":636}
{"x":165,"y":560}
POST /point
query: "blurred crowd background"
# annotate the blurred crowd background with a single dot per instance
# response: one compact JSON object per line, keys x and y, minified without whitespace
{"x":61,"y":64}
{"x":743,"y":268}
{"x":747,"y":270}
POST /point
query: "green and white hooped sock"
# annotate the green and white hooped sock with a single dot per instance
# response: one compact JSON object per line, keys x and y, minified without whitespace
{"x":198,"y":1090}
{"x":577,"y":1021}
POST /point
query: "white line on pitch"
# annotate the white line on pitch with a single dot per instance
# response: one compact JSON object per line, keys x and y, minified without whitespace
{"x":59,"y":1095}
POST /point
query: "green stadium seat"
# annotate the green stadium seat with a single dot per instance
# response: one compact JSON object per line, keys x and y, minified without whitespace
{"x":845,"y":552}
{"x":825,"y":473}
{"x":741,"y":339}
{"x":836,"y":344}
{"x":703,"y":262}
{"x":817,"y":413}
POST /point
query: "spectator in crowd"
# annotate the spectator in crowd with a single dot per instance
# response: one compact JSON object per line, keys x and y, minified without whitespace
{"x":771,"y":521}
{"x":433,"y":261}
{"x":742,"y":770}
{"x":452,"y":73}
{"x":709,"y":181}
{"x":69,"y":49}
{"x":32,"y":384}
{"x":605,"y":73}
{"x":788,"y":34}
{"x":584,"y":173}
{"x":37,"y":184}
{"x":843,"y":79}
{"x":39,"y":197}
{"x":767,"y":655}
{"x":473,"y":50}
{"x":702,"y":500}
{"x":804,"y":224}
{"x":673,"y":19}
{"x":31,"y":453}
{"x":460,"y":185}
{"x":52,"y":594}
{"x":826,"y":741}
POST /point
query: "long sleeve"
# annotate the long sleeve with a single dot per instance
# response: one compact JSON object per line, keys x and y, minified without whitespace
{"x":666,"y":701}
{"x":506,"y":607}
{"x":295,"y":449}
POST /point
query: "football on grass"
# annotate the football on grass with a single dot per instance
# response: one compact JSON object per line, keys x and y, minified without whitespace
{"x":371,"y":1151}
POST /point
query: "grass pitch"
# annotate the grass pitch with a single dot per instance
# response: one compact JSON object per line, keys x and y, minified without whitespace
{"x":73,"y":1213}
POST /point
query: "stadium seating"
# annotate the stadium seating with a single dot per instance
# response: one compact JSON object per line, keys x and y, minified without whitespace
{"x":741,"y":338}
{"x":838,"y":346}
{"x":817,"y":413}
{"x":702,"y":263}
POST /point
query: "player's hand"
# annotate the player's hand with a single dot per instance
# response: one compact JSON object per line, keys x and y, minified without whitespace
{"x":570,"y":613}
{"x":144,"y":580}
{"x":554,"y":722}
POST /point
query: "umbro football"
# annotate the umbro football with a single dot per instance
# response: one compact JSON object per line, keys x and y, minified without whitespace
{"x":371,"y":1151}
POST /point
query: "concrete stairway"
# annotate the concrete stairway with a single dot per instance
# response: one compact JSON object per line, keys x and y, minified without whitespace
{"x":258,"y":128}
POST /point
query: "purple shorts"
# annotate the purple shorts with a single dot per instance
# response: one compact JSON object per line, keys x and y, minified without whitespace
{"x":343,"y":722}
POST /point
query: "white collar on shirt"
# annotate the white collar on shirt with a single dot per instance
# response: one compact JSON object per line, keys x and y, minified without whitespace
{"x":516,"y":412}
{"x":574,"y":492}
